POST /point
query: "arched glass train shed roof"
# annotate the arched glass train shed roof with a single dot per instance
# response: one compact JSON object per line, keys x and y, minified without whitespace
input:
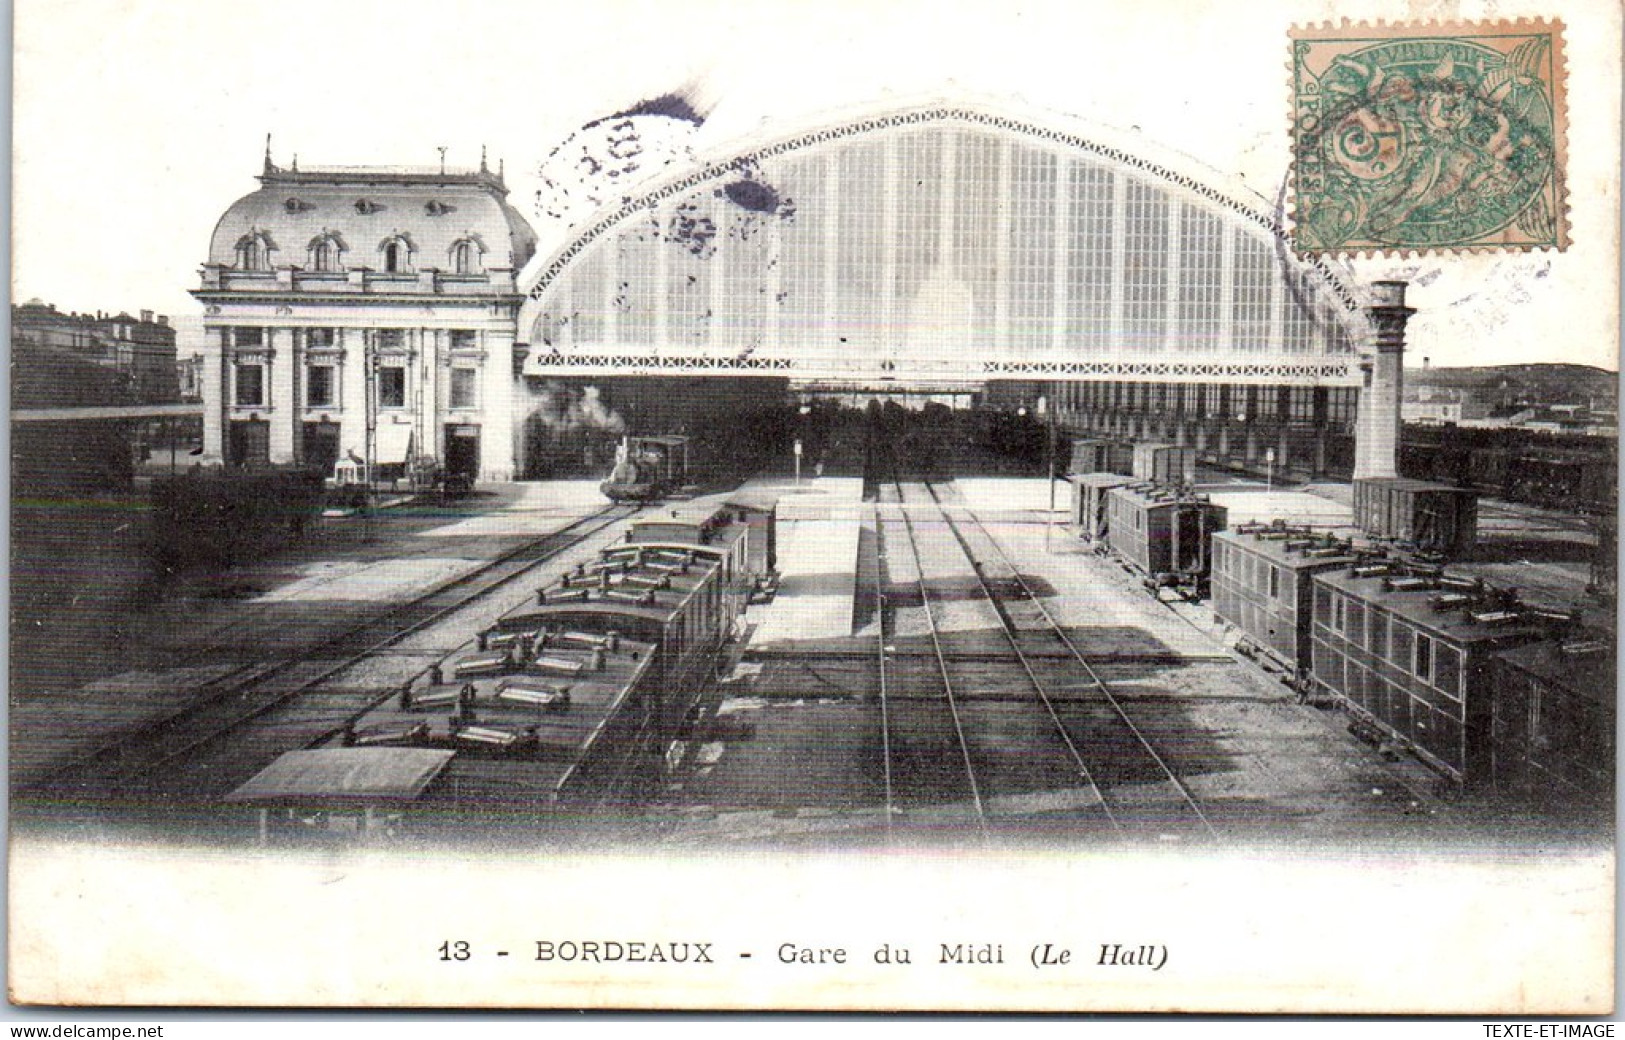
{"x":939,"y":243}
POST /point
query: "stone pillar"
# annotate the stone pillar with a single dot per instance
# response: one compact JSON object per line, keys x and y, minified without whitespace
{"x":282,"y":414}
{"x":1376,"y":428}
{"x":499,"y":440}
{"x":353,"y":391}
{"x":216,"y":390}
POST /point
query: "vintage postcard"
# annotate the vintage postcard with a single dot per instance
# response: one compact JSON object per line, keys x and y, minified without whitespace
{"x":1065,"y":507}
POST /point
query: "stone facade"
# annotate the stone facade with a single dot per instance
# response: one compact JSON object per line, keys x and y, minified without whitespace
{"x":364,"y":313}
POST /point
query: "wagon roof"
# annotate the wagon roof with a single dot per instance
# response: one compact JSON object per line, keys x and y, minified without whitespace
{"x":1099,"y":480}
{"x":1275,"y":550}
{"x":344,"y":776}
{"x":1590,"y":673}
{"x":1416,"y":606}
{"x":1410,"y":484}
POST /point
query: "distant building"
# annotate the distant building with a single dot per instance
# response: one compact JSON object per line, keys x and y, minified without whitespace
{"x":367,"y":312}
{"x":67,"y":456}
{"x":140,"y":350}
{"x":189,"y":377}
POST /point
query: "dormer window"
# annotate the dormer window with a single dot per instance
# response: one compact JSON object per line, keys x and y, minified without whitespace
{"x":325,"y":251}
{"x":254,"y":251}
{"x":465,"y":256}
{"x":396,"y":254}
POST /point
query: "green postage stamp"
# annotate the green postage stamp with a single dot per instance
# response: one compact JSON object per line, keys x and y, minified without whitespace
{"x":1428,"y":137}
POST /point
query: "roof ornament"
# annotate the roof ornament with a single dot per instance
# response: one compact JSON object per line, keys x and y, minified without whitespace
{"x":442,"y":150}
{"x":269,"y":166}
{"x":483,"y":168}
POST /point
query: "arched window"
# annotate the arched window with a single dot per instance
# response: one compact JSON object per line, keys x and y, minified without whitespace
{"x":254,"y":251}
{"x":464,"y":257}
{"x":395,"y":253}
{"x":325,"y":250}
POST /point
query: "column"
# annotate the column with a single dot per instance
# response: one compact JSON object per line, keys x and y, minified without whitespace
{"x":501,"y":446}
{"x":1376,"y":427}
{"x":352,"y":344}
{"x":216,"y":392}
{"x":282,"y":413}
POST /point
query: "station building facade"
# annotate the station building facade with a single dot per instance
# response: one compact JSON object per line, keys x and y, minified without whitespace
{"x":943,"y":245}
{"x":366,"y":313}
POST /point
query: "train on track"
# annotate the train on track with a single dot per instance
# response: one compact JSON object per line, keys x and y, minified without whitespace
{"x":564,"y":709}
{"x":1487,"y":690}
{"x":647,"y":469}
{"x":1571,"y":472}
{"x":1161,"y":531}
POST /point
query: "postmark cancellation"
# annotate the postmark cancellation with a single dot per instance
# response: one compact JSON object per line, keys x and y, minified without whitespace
{"x":1428,"y":138}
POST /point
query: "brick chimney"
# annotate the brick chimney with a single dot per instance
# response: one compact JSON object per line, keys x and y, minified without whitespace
{"x":1376,"y":430}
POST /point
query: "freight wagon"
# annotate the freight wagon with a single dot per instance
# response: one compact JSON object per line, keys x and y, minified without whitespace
{"x":1088,"y":510}
{"x":1101,"y":456}
{"x":1431,"y":518}
{"x":1165,"y":464}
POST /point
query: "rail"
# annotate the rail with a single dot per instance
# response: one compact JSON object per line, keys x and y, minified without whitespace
{"x":1056,"y":629}
{"x":228,"y":709}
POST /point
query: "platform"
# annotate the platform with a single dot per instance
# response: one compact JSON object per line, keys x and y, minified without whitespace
{"x":819,"y":522}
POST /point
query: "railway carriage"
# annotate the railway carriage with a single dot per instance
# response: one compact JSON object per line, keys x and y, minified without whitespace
{"x":1263,"y":584}
{"x":1408,"y":651}
{"x":1552,"y":723}
{"x":1164,"y":533}
{"x":567,"y":706}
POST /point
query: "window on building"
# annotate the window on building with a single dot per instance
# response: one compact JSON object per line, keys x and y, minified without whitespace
{"x":324,"y":256}
{"x":465,"y":257}
{"x":464,"y":388}
{"x":248,"y":336}
{"x":397,"y":257}
{"x":464,"y":339}
{"x":320,"y":386}
{"x":1424,"y":657}
{"x":391,"y":339}
{"x":1275,"y":582}
{"x":391,"y":386}
{"x":250,"y":384}
{"x":320,"y":338}
{"x":254,"y":252}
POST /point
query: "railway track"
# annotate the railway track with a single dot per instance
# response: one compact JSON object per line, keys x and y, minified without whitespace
{"x":239,"y":725}
{"x":929,"y":771}
{"x":1141,"y":795}
{"x":1006,"y":735}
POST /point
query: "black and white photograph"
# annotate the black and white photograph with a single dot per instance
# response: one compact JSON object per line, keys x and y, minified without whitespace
{"x":1059,"y":507}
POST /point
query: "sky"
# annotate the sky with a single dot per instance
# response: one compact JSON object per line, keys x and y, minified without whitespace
{"x":136,"y":123}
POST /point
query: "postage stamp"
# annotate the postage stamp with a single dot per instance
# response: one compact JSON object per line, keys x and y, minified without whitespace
{"x":1434,"y":137}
